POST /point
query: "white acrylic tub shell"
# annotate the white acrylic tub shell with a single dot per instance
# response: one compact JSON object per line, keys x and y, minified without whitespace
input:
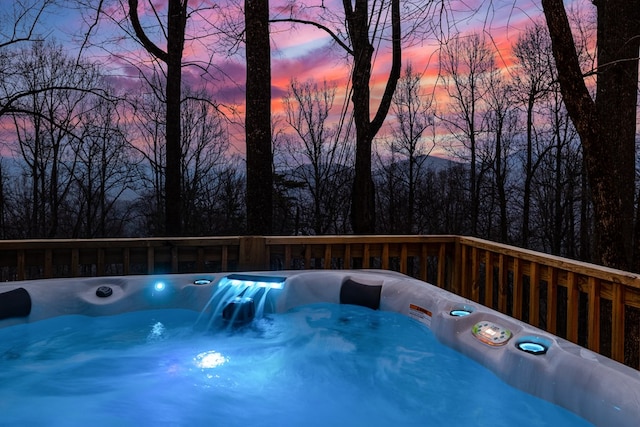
{"x":594,"y":387}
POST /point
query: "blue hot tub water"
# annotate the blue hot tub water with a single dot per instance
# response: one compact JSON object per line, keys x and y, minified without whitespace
{"x":297,"y":348}
{"x":319,"y":364}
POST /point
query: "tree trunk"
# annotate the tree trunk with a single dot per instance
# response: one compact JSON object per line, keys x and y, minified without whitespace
{"x":501,"y":181}
{"x":528,"y":174}
{"x":363,"y":196}
{"x":616,"y":109}
{"x":173,"y":182}
{"x":585,"y":218}
{"x":606,"y":126}
{"x":258,"y":119}
{"x":412,"y":194}
{"x":176,"y":24}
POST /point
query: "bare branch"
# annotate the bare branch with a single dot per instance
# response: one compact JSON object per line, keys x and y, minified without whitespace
{"x":150,"y":46}
{"x":30,"y":27}
{"x":327,"y":30}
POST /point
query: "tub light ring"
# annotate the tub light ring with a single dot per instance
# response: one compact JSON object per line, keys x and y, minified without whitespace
{"x":461,"y":311}
{"x":535,"y":345}
{"x":491,"y":334}
{"x":532,"y":348}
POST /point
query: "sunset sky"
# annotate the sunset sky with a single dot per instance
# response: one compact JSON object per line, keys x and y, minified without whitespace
{"x":307,"y":52}
{"x":303,"y":53}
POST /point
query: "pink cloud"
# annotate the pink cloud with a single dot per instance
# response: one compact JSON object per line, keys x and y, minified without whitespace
{"x":320,"y":64}
{"x":306,"y":52}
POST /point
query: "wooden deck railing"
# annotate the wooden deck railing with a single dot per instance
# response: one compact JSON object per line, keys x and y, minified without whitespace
{"x":594,"y":306}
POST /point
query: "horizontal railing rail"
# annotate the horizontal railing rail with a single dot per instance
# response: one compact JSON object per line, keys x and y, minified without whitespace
{"x":594,"y":306}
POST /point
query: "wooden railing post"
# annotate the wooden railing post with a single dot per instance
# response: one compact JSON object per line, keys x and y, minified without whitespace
{"x":593,"y":334}
{"x":503,"y":280}
{"x":457,"y":277}
{"x":48,"y":263}
{"x":442,"y":265}
{"x":253,"y":253}
{"x":21,"y":265}
{"x":617,"y":323}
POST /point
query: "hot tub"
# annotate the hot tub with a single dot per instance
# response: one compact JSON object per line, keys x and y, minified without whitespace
{"x":598,"y":389}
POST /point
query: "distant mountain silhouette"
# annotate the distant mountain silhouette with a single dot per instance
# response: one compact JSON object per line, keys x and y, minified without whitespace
{"x":428,"y":163}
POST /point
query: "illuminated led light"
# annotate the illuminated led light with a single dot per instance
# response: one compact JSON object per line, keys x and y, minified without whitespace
{"x":459,"y":313}
{"x":533,"y":345}
{"x":210,"y":359}
{"x":159,"y":286}
{"x":249,"y":281}
{"x":490,"y":333}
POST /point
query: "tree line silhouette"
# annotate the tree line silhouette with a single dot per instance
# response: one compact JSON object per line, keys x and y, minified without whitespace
{"x":84,"y":158}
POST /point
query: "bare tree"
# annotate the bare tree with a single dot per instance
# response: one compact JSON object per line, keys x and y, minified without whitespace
{"x":205,"y":145}
{"x":45,"y":125}
{"x":258,"y":119}
{"x":316,"y":156}
{"x":146,"y":135}
{"x":172,"y":57}
{"x":391,"y":192}
{"x":363,"y":26}
{"x":554,"y":197}
{"x":19,"y":23}
{"x":467,"y":62}
{"x":20,"y":20}
{"x":4,"y":232}
{"x":358,"y":29}
{"x":606,"y":125}
{"x":532,"y":82}
{"x":414,"y":115}
{"x":557,"y":187}
{"x":226,"y":213}
{"x":442,"y":202}
{"x":560,"y":173}
{"x":162,"y":31}
{"x":105,"y":176}
{"x":501,"y":121}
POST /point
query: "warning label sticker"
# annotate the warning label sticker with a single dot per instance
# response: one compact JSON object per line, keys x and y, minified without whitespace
{"x":420,"y":314}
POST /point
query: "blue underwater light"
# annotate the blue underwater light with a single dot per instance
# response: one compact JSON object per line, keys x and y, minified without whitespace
{"x":160,"y":291}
